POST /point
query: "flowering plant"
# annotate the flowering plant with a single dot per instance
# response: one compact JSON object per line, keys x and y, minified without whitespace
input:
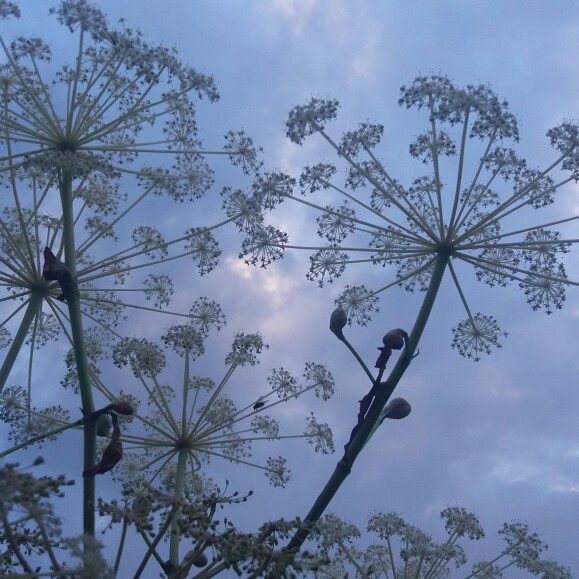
{"x":93,"y":153}
{"x":403,"y":550}
{"x":466,"y":213}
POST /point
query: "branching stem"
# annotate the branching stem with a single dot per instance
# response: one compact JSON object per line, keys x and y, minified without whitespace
{"x":367,"y":428}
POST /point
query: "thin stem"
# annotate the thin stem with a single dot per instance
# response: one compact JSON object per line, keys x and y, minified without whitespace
{"x":356,"y":355}
{"x":152,"y":545}
{"x":499,"y":556}
{"x":33,"y":309}
{"x":344,"y":551}
{"x":440,"y":215}
{"x":391,"y":555}
{"x":459,"y":175}
{"x":121,"y":547}
{"x":460,"y":292}
{"x":13,"y":542}
{"x":41,"y":437}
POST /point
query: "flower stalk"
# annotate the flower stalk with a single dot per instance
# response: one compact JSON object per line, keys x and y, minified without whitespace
{"x":372,"y":419}
{"x":82,"y":366}
{"x":33,"y":309}
{"x":178,"y":492}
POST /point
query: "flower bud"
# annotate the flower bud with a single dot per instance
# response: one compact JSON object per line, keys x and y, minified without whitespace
{"x":395,"y":339}
{"x":397,"y":408}
{"x":200,"y":560}
{"x":338,"y":320}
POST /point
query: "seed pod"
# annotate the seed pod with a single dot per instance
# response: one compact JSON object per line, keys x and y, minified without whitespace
{"x":395,"y":339}
{"x":338,"y":320}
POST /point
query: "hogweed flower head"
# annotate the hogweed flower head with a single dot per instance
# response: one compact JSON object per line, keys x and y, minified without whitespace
{"x":84,"y":146}
{"x":465,"y":212}
{"x":406,"y":551}
{"x":198,"y":420}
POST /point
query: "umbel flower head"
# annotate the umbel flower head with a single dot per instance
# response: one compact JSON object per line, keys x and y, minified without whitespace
{"x":84,"y":146}
{"x":193,"y":420}
{"x":403,"y":550}
{"x":472,"y":208}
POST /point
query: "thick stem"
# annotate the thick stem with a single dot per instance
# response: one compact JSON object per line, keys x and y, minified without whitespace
{"x":32,"y":310}
{"x":73,"y":302}
{"x":369,"y":425}
{"x":178,"y":492}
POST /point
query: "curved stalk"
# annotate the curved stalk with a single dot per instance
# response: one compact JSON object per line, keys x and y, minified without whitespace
{"x":369,"y":425}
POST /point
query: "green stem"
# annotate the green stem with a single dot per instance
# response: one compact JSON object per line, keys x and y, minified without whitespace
{"x":368,"y":426}
{"x":48,"y":434}
{"x":178,"y":492}
{"x":152,"y":546}
{"x":13,"y":543}
{"x":120,"y":549}
{"x":73,"y":302}
{"x":357,"y":356}
{"x":32,"y":310}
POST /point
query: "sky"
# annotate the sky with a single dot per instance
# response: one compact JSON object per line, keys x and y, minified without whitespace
{"x":500,"y":436}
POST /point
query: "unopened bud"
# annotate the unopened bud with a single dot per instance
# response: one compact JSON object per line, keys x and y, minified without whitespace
{"x":200,"y":560}
{"x":338,"y":320}
{"x":395,"y":339}
{"x":397,"y":408}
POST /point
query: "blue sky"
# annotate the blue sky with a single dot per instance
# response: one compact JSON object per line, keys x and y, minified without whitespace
{"x":499,"y":436}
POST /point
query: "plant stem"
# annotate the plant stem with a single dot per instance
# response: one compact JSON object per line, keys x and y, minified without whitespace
{"x":32,"y":310}
{"x":178,"y":492}
{"x":357,"y":356}
{"x":73,"y":302}
{"x":41,"y":437}
{"x":368,"y":426}
{"x":153,"y":545}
